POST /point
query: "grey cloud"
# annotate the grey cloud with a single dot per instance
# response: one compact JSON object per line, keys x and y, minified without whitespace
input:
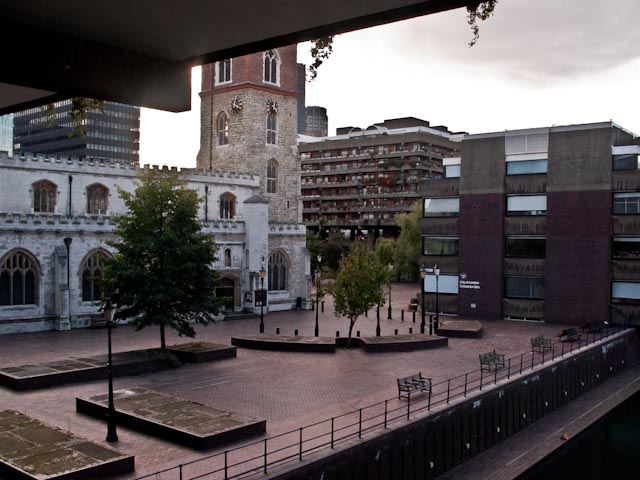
{"x":536,"y":41}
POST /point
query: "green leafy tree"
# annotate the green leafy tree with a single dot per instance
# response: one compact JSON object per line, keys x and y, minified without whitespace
{"x":161,"y":273}
{"x":315,"y":247}
{"x":80,"y":108}
{"x":385,"y":251}
{"x":358,"y":286}
{"x":321,"y":49}
{"x":480,"y":10}
{"x":409,"y":243}
{"x":334,"y":247}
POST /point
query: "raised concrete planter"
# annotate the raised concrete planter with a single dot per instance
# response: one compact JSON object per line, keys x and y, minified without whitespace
{"x":181,"y":421}
{"x":460,"y":329}
{"x":32,"y":450}
{"x":199,"y":352}
{"x":286,"y":343}
{"x":136,"y":362}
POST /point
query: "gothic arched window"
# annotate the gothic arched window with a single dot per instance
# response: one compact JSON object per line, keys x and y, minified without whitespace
{"x":272,"y":128}
{"x":278,"y":267}
{"x":227,"y":205}
{"x":97,"y":199}
{"x":44,"y":196}
{"x":271,"y":73}
{"x":19,"y":279}
{"x":223,"y":71}
{"x":92,"y":269}
{"x":272,"y":176}
{"x":223,"y":128}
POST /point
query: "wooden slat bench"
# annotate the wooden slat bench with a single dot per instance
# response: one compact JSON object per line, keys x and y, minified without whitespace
{"x":540,"y":344}
{"x":491,"y":360}
{"x":413,"y":383}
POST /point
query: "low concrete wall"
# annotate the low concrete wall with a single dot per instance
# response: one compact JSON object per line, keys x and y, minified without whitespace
{"x":442,"y":440}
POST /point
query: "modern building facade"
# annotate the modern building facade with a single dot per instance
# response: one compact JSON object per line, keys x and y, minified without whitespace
{"x":108,"y":133}
{"x":6,"y":134}
{"x":316,"y":122}
{"x":538,"y":224}
{"x":55,"y":211}
{"x":359,"y":181}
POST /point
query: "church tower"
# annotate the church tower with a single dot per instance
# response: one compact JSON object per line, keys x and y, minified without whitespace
{"x":249,"y":125}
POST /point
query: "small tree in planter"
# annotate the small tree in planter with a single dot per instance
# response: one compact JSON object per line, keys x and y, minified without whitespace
{"x":358,"y":286}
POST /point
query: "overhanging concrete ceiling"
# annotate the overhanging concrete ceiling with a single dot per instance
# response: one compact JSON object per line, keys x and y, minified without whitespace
{"x":141,"y":51}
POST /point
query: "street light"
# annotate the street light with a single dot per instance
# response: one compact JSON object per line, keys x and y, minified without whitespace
{"x":390,"y":266}
{"x":67,"y":243}
{"x":112,"y":434}
{"x":263,"y":298}
{"x":317,"y":274}
{"x":436,"y":270}
{"x":423,"y":274}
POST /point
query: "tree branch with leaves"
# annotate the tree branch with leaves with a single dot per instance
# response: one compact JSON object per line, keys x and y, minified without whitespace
{"x":479,"y":11}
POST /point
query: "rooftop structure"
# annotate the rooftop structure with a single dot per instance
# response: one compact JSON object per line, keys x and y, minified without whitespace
{"x":108,"y":133}
{"x":538,"y":224}
{"x":361,"y":180}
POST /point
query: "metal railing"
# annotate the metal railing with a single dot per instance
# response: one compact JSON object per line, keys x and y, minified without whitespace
{"x":262,"y":456}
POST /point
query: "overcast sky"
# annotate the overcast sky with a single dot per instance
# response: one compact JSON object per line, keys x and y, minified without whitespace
{"x":537,"y":63}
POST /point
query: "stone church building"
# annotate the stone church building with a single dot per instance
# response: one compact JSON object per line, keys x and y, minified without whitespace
{"x":55,"y":212}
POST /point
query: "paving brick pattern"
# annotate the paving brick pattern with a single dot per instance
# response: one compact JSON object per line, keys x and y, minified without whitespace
{"x":288,"y":389}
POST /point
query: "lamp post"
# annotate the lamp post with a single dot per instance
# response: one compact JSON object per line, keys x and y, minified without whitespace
{"x":317,"y":274}
{"x":436,"y":270}
{"x":67,"y":243}
{"x":423,"y":274}
{"x":263,"y":298}
{"x":390,"y":266}
{"x":112,"y":434}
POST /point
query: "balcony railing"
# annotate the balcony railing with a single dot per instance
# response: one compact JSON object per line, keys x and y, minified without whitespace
{"x":320,"y":438}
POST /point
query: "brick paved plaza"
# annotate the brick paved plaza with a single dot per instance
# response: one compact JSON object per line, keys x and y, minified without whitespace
{"x":288,"y":389}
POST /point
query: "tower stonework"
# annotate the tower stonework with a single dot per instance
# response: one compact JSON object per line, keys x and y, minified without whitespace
{"x":249,"y":93}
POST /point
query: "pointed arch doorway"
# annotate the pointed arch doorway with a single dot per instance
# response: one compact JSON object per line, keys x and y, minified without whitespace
{"x":228,"y":292}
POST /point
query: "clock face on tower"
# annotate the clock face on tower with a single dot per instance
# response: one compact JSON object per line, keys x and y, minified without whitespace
{"x":236,"y":104}
{"x":272,"y":106}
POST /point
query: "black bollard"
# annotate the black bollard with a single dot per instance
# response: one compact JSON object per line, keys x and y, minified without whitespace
{"x":322,"y":306}
{"x":414,"y":316}
{"x":366,"y":313}
{"x":402,"y":315}
{"x":295,"y":332}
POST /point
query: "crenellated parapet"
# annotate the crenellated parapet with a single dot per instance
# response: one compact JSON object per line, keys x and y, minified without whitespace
{"x":287,"y":229}
{"x":222,"y":227}
{"x":96,"y":223}
{"x":76,"y":165}
{"x":40,"y":161}
{"x":53,"y":222}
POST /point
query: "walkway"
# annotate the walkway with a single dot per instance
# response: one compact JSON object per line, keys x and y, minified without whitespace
{"x":288,"y":389}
